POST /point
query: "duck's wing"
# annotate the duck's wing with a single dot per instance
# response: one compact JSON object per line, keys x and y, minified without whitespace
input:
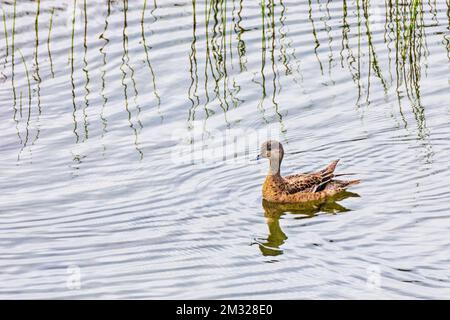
{"x":311,"y":182}
{"x":307,"y":183}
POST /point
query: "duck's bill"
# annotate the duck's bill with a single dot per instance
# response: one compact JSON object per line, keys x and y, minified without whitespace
{"x":258,"y":157}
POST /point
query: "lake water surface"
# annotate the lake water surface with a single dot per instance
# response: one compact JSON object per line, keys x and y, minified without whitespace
{"x":128,"y":128}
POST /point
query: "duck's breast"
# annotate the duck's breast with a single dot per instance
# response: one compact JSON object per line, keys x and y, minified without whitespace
{"x":272,"y":188}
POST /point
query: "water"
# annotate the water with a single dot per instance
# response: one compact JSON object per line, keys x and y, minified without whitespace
{"x":102,"y":197}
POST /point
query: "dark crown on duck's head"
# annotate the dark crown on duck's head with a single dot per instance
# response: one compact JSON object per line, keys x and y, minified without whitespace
{"x":271,"y":149}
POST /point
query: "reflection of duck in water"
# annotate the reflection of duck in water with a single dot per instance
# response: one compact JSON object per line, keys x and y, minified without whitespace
{"x":273,"y":211}
{"x":302,"y":187}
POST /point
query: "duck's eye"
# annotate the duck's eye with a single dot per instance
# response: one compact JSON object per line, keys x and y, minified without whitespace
{"x":269,"y":147}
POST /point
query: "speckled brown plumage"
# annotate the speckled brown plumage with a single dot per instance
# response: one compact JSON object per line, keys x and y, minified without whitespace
{"x":299,"y":187}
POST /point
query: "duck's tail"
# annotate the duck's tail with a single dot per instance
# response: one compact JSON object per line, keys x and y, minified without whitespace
{"x":336,"y":186}
{"x":331,"y":185}
{"x":328,"y":171}
{"x":349,"y":183}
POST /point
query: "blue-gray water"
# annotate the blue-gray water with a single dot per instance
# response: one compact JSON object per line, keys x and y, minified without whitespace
{"x":102,"y":197}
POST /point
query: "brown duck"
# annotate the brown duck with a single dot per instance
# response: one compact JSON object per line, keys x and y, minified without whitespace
{"x":301,"y":187}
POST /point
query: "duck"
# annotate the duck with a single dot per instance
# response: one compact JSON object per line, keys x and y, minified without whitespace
{"x":302,"y":187}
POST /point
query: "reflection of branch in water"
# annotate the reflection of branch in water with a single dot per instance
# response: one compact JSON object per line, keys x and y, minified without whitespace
{"x":86,"y":72}
{"x":315,"y":36}
{"x":389,"y":37}
{"x":263,"y":58}
{"x":36,"y":44}
{"x":417,"y":51}
{"x":275,"y":72}
{"x":102,"y":51}
{"x":227,"y":92}
{"x":48,"y":42}
{"x":234,"y":89}
{"x":38,"y":78}
{"x":125,"y":62}
{"x":330,"y":38}
{"x":75,"y":122}
{"x":372,"y":53}
{"x":136,"y":93}
{"x":423,"y":45}
{"x":404,"y":27}
{"x":397,"y":61}
{"x":268,"y":42}
{"x":207,"y":58}
{"x":29,"y":105}
{"x":15,"y":118}
{"x":219,"y":56}
{"x":410,"y":48}
{"x":13,"y":69}
{"x":77,"y":159}
{"x":6,"y":37}
{"x":223,"y":49}
{"x":359,"y":53}
{"x":235,"y":28}
{"x":193,"y":87}
{"x":155,"y":91}
{"x":230,"y":41}
{"x":216,"y":52}
{"x":283,"y":51}
{"x":345,"y":30}
{"x":433,"y":11}
{"x":13,"y":51}
{"x":219,"y":85}
{"x":350,"y":58}
{"x":241,"y":44}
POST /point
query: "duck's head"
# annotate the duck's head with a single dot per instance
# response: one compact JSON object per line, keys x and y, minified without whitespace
{"x":272,"y":150}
